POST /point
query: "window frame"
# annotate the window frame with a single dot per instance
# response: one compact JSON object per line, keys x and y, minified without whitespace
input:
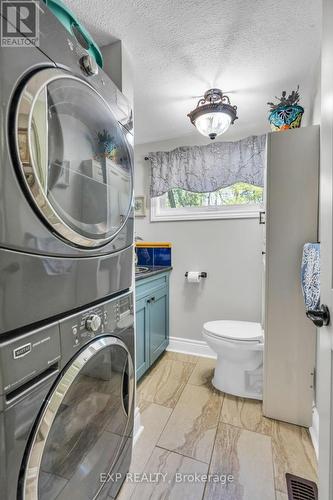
{"x":244,"y":211}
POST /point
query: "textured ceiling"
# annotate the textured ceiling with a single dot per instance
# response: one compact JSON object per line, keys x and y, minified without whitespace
{"x":180,"y":48}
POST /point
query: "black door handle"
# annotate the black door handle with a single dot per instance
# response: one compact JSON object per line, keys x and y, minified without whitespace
{"x":320,"y":317}
{"x":261,"y":217}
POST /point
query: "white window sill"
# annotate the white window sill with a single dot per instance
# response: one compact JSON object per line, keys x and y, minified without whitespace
{"x":235,"y":212}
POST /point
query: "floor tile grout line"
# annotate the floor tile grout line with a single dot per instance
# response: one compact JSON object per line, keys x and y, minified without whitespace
{"x":153,"y":368}
{"x":280,"y":491}
{"x":155,"y":445}
{"x":172,"y":408}
{"x":184,"y":384}
{"x":215,"y":437}
{"x":181,"y":454}
{"x":245,"y":429}
{"x":167,"y":420}
{"x":160,"y":434}
{"x":275,"y":472}
{"x":271,"y":448}
{"x":273,"y":465}
{"x":218,"y":421}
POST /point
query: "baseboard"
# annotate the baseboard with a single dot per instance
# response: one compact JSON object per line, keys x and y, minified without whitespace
{"x":314,"y":430}
{"x":187,"y":346}
{"x":137,"y":428}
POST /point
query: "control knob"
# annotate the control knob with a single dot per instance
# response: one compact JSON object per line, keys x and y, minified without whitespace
{"x":88,"y":65}
{"x":93,"y":322}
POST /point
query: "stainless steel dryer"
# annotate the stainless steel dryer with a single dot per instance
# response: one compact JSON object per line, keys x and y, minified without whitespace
{"x":66,"y":406}
{"x":66,"y":181}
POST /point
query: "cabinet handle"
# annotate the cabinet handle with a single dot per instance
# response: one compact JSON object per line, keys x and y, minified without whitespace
{"x":262,"y":217}
{"x":152,"y":299}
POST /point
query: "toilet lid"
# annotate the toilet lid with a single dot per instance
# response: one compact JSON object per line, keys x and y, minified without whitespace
{"x":235,"y":330}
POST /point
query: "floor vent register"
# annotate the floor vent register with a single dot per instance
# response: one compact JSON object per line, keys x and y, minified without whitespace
{"x":301,"y":489}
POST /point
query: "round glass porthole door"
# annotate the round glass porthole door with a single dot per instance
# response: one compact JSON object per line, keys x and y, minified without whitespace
{"x":84,"y":426}
{"x":74,"y":157}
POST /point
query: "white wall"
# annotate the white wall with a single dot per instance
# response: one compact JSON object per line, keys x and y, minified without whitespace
{"x":113,"y":62}
{"x":229,"y":250}
{"x":119,"y":67}
{"x":314,"y":115}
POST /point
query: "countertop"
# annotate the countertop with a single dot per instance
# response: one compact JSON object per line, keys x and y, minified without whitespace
{"x":152,"y":271}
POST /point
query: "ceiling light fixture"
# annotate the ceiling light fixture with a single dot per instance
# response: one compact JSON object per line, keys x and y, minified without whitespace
{"x":213,"y":114}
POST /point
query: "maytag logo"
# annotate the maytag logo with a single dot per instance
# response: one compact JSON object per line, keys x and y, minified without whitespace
{"x":21,"y":351}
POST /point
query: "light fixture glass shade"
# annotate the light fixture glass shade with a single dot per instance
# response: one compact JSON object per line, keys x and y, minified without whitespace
{"x":213,"y":114}
{"x":213,"y":124}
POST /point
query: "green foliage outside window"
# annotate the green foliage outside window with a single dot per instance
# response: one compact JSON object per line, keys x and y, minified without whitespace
{"x":237,"y":194}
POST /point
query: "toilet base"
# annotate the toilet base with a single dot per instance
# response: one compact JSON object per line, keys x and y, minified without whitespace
{"x":239,"y":346}
{"x":233,"y":380}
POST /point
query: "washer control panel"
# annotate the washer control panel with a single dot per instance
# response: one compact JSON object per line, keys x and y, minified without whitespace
{"x":93,"y":322}
{"x":108,"y":317}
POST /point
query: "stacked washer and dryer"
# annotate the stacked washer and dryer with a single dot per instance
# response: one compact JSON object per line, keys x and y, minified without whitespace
{"x":66,"y":251}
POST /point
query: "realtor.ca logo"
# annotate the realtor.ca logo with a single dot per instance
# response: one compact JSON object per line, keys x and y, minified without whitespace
{"x":19,"y":23}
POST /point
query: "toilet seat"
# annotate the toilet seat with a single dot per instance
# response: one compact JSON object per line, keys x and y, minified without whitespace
{"x":239,"y":331}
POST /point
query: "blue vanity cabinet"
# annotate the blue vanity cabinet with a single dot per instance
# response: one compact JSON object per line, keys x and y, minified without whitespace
{"x":152,"y":320}
{"x":142,"y":346}
{"x":158,"y":323}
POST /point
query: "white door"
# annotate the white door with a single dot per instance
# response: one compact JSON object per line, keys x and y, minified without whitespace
{"x":325,"y":334}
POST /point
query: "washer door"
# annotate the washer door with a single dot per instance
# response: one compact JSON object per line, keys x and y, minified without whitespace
{"x":74,"y":158}
{"x":84,"y":425}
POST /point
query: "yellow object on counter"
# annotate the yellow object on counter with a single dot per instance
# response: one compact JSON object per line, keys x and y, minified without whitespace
{"x":153,"y":244}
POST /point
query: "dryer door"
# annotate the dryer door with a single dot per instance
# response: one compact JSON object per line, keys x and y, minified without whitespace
{"x":74,"y":158}
{"x":84,"y":426}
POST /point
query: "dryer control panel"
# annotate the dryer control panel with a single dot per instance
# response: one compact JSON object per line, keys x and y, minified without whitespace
{"x":109,"y":317}
{"x":27,"y":360}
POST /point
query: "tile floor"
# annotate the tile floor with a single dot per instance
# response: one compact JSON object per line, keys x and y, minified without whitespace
{"x":189,"y":428}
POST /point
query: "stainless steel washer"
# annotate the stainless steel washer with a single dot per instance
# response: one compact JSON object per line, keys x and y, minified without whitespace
{"x":67,"y":396}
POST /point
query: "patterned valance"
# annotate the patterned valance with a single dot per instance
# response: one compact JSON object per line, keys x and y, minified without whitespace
{"x":203,"y":169}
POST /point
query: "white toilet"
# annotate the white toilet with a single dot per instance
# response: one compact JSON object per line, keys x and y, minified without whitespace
{"x":239,"y":347}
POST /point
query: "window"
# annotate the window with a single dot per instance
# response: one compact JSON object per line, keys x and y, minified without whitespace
{"x":237,"y":201}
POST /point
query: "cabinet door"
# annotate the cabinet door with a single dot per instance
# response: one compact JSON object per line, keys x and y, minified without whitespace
{"x":142,"y":337}
{"x":158,"y":322}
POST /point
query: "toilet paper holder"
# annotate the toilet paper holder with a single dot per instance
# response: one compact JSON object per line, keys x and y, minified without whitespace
{"x":203,"y":274}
